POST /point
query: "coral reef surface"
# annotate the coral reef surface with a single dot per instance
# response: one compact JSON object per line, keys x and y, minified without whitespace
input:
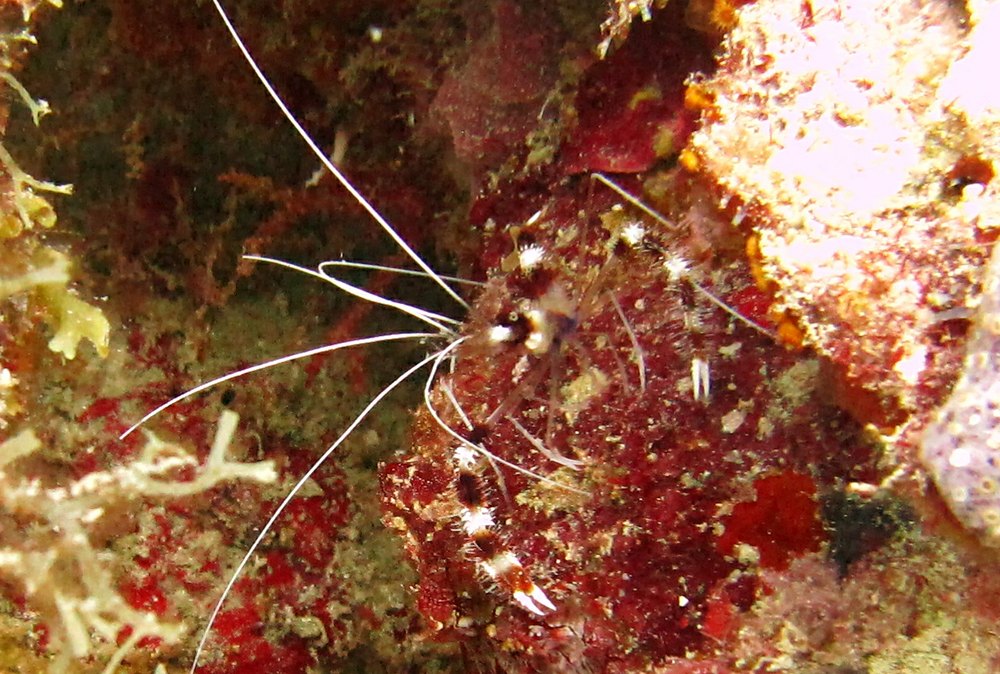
{"x":717,"y":397}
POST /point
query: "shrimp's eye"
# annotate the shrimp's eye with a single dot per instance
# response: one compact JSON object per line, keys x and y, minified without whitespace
{"x":509,"y":328}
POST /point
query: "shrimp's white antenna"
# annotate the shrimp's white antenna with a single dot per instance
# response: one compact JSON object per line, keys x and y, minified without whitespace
{"x":392,"y":337}
{"x":329,"y":165}
{"x":479,"y":448}
{"x":540,"y":447}
{"x":372,"y":404}
{"x":455,"y":405}
{"x":631,"y":198}
{"x":636,"y":349}
{"x":351,"y":264}
{"x":708,"y":294}
{"x":434,"y":320}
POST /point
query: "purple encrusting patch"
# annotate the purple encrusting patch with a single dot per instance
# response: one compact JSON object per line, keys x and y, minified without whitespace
{"x":961,"y":446}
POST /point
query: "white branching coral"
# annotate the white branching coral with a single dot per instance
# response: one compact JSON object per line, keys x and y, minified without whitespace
{"x":47,"y":276}
{"x":46,"y":544}
{"x":24,"y":192}
{"x":27,"y":266}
